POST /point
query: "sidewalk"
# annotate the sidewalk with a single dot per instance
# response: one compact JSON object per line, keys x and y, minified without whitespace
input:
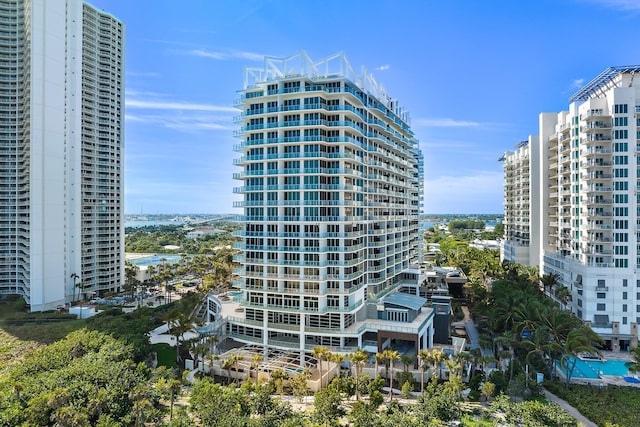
{"x":582,"y":420}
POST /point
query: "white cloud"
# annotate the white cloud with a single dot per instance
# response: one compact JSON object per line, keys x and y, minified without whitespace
{"x":577,"y":83}
{"x":226,"y":55}
{"x":619,"y":4}
{"x":150,"y":109}
{"x":163,"y":105}
{"x":383,"y":67}
{"x":184,"y":122}
{"x":443,"y":123}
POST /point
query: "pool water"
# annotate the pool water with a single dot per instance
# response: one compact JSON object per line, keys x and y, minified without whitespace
{"x":591,"y":368}
{"x":156,"y":260}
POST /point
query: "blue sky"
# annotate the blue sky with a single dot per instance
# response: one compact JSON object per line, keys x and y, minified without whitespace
{"x":473,"y":74}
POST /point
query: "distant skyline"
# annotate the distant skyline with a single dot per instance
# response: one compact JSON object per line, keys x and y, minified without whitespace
{"x":474,"y":76}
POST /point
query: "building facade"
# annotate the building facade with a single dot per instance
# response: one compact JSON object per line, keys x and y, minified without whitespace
{"x":589,"y":215}
{"x":332,"y":189}
{"x":519,"y":195}
{"x":61,"y":155}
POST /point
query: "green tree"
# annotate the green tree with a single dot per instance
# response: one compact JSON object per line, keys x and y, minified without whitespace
{"x":320,"y":353}
{"x":581,"y":340}
{"x":279,"y":376}
{"x":634,"y":363}
{"x":390,"y":356}
{"x":255,"y":364}
{"x":220,"y":406}
{"x":358,"y":358}
{"x":300,"y":385}
{"x":424,"y":359}
{"x":327,"y":403}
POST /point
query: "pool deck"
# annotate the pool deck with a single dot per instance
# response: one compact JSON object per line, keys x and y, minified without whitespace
{"x":133,"y":256}
{"x":606,"y":380}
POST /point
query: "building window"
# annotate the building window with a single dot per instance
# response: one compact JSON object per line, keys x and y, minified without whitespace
{"x":621,"y":121}
{"x":624,"y":295}
{"x":601,"y":295}
{"x":601,"y":319}
{"x":620,"y":108}
{"x":621,"y":173}
{"x":624,"y":308}
{"x":624,"y":283}
{"x":621,"y":237}
{"x":621,"y":263}
{"x":620,"y":134}
{"x":624,"y":320}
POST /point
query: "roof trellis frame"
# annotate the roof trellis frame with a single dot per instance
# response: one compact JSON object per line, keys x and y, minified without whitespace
{"x":300,"y":64}
{"x":602,"y":79}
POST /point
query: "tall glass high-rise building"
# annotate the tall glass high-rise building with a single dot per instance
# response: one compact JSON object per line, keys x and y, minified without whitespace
{"x":331,"y":182}
{"x":61,"y":151}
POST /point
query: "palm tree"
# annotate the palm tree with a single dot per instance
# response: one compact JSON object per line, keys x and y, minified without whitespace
{"x":199,"y":349}
{"x":438,"y":356}
{"x":406,"y":362}
{"x":391,"y":356}
{"x":279,"y":376}
{"x":358,"y":358}
{"x":212,"y":358}
{"x":564,"y":295}
{"x":320,"y":352}
{"x":509,"y":340}
{"x":180,"y":325}
{"x":255,"y":363}
{"x":227,"y":364}
{"x":462,"y":359}
{"x":634,"y":363}
{"x":379,"y":360}
{"x":77,"y":284}
{"x":236,"y":359}
{"x":424,"y":358}
{"x":453,"y":366}
{"x":212,"y":340}
{"x":581,"y":340}
{"x":548,"y":281}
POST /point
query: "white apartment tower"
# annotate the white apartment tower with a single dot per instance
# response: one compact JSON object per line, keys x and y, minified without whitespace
{"x":520,"y":197}
{"x":332,"y":188}
{"x":61,"y":153}
{"x":589,"y":215}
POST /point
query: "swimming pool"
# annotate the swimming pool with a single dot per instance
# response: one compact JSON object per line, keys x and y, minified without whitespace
{"x":592,"y":368}
{"x":156,"y":259}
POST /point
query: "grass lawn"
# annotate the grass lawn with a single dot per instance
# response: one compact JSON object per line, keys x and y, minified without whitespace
{"x":21,"y":332}
{"x":41,"y":327}
{"x":166,"y":355}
